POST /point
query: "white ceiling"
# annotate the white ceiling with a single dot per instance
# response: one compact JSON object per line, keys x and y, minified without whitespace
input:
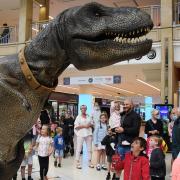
{"x":129,"y":74}
{"x":9,"y":10}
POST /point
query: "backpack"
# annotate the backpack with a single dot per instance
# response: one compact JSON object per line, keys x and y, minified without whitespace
{"x":117,"y":163}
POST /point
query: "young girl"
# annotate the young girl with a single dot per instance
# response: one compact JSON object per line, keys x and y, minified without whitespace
{"x":136,"y":163}
{"x":114,"y":120}
{"x":109,"y":142}
{"x":99,"y":133}
{"x":58,"y":146}
{"x":157,"y":159}
{"x":44,"y":147}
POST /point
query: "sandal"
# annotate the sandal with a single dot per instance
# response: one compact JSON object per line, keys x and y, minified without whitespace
{"x":78,"y":166}
{"x":91,"y":166}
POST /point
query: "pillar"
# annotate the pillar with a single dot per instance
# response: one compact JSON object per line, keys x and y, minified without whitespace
{"x":85,"y":98}
{"x":148,"y":108}
{"x":168,"y":78}
{"x":44,"y":10}
{"x":25,"y":21}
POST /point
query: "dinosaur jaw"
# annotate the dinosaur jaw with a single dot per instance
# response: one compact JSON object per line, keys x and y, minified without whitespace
{"x":108,"y":48}
{"x":92,"y":55}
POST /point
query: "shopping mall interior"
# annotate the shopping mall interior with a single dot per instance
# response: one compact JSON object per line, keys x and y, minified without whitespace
{"x":150,"y":81}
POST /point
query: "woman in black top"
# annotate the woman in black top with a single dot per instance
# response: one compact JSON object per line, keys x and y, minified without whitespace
{"x":154,"y":126}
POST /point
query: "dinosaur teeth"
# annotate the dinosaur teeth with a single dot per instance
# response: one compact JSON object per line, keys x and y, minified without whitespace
{"x":129,"y":40}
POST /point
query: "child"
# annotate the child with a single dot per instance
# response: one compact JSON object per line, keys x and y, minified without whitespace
{"x":136,"y":163}
{"x":157,"y":159}
{"x":109,"y":143}
{"x":99,"y":133}
{"x":58,"y":146}
{"x":44,"y":147}
{"x":114,"y":120}
{"x":28,"y":157}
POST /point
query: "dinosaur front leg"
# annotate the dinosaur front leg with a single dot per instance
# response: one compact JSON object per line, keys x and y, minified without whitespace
{"x":13,"y":91}
{"x":9,"y":168}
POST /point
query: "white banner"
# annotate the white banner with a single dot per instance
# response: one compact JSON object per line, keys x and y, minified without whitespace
{"x":92,"y":80}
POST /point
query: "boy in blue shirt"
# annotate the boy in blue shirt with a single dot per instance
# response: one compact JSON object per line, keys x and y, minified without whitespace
{"x":58,"y":147}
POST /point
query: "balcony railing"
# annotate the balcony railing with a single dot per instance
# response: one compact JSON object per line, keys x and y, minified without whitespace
{"x":155,"y":13}
{"x":38,"y":26}
{"x":8,"y":34}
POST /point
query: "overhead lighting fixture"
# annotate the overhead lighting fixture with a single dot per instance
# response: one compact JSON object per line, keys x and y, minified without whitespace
{"x":143,"y":82}
{"x":108,"y":94}
{"x":119,"y":89}
{"x":96,"y":92}
{"x":35,"y":29}
{"x":67,"y":87}
{"x":50,"y":17}
{"x":40,"y":5}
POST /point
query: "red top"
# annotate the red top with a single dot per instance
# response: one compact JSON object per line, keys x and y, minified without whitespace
{"x":136,"y":168}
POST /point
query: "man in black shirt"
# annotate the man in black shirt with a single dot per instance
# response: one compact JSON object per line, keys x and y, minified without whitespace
{"x":129,"y":129}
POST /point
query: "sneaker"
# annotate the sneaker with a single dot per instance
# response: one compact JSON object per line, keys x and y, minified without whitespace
{"x":55,"y":163}
{"x":78,"y":166}
{"x":90,"y":165}
{"x":59,"y":165}
{"x":108,"y":177}
{"x":98,"y":167}
{"x":113,"y":146}
{"x":125,"y":143}
{"x":104,"y":167}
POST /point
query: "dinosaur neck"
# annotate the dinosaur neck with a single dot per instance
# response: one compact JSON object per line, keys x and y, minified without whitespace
{"x":45,"y":57}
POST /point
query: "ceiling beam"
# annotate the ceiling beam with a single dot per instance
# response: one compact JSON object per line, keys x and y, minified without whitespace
{"x":135,"y":2}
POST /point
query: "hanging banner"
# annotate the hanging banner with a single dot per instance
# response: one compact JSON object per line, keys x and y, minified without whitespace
{"x":92,"y":80}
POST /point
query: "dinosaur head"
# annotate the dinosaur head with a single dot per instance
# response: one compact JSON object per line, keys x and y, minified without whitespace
{"x":96,"y":36}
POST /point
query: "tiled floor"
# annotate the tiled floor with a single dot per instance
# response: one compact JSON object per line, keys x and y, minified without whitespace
{"x":69,"y":172}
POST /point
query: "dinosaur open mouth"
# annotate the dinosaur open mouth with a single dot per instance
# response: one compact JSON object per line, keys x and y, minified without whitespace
{"x":126,"y":37}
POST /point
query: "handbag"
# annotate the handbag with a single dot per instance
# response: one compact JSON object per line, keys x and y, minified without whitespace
{"x":117,"y":163}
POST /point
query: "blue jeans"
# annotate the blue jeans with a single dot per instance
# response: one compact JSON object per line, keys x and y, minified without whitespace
{"x":122,"y":150}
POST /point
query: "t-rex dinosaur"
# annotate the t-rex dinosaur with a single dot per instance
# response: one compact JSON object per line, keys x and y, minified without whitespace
{"x":89,"y":37}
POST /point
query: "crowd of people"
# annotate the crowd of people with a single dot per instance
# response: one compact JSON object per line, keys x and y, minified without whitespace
{"x":114,"y":140}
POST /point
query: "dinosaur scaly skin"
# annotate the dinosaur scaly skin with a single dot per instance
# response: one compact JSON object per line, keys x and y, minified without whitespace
{"x":91,"y":36}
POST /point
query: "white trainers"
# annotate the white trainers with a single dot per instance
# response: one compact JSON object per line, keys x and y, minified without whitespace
{"x":113,"y":146}
{"x":125,"y":143}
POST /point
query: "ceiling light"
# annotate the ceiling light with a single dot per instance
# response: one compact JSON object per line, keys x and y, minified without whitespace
{"x":119,"y":89}
{"x":97,"y":92}
{"x":143,"y":82}
{"x":108,"y":94}
{"x":35,"y":29}
{"x":67,"y":87}
{"x":40,"y":5}
{"x":50,"y":17}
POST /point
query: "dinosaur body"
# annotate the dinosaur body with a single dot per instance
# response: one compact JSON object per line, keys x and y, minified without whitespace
{"x":89,"y":37}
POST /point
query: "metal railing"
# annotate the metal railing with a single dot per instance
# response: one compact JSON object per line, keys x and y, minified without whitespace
{"x":8,"y":34}
{"x":38,"y":26}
